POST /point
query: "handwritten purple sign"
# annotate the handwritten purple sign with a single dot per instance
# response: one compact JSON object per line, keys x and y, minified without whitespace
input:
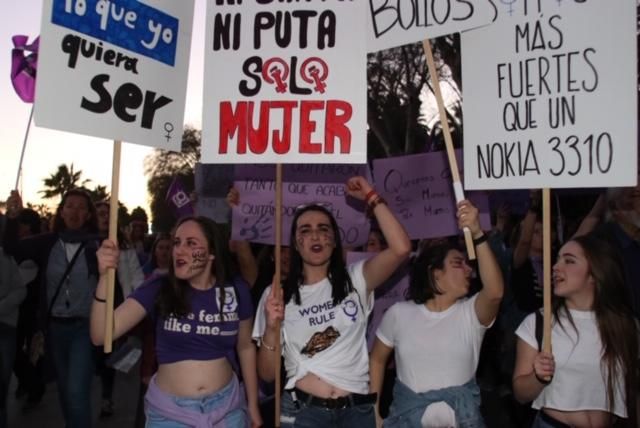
{"x":254,"y":218}
{"x":418,"y":190}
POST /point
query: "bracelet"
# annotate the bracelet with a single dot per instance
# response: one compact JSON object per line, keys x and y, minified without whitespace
{"x":480,"y":240}
{"x":379,"y":200}
{"x":369,"y":195}
{"x":541,"y":380}
{"x":267,"y":346}
{"x":97,"y":299}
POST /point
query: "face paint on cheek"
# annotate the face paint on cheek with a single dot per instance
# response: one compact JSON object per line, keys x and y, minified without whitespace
{"x":199,"y":260}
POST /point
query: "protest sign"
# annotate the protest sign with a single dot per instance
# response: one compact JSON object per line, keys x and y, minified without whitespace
{"x":399,"y":22}
{"x":212,"y":185}
{"x":115,"y":70}
{"x":550,"y":96}
{"x":418,"y":190}
{"x":253,"y":219}
{"x":285,"y":82}
{"x":392,"y":291}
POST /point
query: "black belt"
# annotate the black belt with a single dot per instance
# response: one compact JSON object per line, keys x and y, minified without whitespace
{"x":69,"y":320}
{"x":333,"y":403}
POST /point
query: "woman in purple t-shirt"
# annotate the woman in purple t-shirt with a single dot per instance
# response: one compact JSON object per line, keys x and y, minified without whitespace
{"x":201,"y":315}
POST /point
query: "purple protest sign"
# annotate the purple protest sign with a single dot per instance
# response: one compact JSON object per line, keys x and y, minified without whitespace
{"x":178,"y":199}
{"x":418,"y":190}
{"x":253,"y":219}
{"x":392,"y":291}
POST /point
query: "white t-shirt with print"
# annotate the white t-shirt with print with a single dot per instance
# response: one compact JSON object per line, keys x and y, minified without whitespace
{"x":434,"y":350}
{"x":579,"y":382}
{"x":323,"y":339}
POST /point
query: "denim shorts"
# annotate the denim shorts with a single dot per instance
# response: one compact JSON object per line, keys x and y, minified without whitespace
{"x":237,"y":418}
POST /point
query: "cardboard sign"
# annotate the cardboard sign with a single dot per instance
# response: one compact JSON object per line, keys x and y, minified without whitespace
{"x":418,"y":190}
{"x":115,"y":70}
{"x":285,"y":82}
{"x":550,"y":97}
{"x":399,"y":22}
{"x":254,"y":219}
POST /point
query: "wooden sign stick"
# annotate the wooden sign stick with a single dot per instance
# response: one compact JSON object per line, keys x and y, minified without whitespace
{"x":451,"y":155}
{"x":276,"y":286}
{"x":546,"y":260}
{"x":113,"y":236}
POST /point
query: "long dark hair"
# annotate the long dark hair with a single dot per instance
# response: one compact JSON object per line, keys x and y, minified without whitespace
{"x":337,"y":274}
{"x":616,"y":324}
{"x":422,"y":284}
{"x":91,"y":225}
{"x":123,"y":241}
{"x":173,"y":297}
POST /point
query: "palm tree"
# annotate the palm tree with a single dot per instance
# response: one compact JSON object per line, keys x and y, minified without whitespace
{"x":64,"y":179}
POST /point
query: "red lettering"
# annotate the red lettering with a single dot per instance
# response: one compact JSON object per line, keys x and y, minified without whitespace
{"x":308,"y":126}
{"x":258,"y":138}
{"x":282,"y":141}
{"x":230,"y":122}
{"x":335,"y":126}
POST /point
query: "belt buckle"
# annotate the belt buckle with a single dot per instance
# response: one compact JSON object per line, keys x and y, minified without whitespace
{"x":336,"y":403}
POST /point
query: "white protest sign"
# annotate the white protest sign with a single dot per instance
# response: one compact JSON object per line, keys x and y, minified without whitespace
{"x":399,"y":22}
{"x":550,"y":97}
{"x":115,"y":70}
{"x":285,"y":83}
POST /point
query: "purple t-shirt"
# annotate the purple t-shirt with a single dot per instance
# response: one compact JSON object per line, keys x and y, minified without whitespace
{"x":203,"y":334}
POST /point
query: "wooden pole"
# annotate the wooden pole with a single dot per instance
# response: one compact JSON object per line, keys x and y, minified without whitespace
{"x":113,"y":236}
{"x":24,"y":146}
{"x":451,"y":155}
{"x":276,"y":285}
{"x":546,"y":260}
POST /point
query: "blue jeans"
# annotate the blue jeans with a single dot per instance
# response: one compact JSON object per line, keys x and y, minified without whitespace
{"x":238,"y":418}
{"x":70,"y":346}
{"x":303,"y":416}
{"x":7,"y":356}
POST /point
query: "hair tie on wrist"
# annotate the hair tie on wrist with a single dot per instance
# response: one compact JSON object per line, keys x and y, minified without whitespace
{"x":97,"y":299}
{"x":482,"y":238}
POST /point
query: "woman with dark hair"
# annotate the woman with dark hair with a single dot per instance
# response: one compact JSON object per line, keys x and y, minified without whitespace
{"x":591,"y":379}
{"x":202,"y":313}
{"x":323,"y":310}
{"x":437,"y":335}
{"x":68,"y":272}
{"x":160,"y":256}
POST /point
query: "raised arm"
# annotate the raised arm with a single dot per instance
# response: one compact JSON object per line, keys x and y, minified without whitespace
{"x":247,"y":263}
{"x":380,"y":267}
{"x":521,"y":251}
{"x":594,"y":217}
{"x":125,"y":316}
{"x":489,"y":297}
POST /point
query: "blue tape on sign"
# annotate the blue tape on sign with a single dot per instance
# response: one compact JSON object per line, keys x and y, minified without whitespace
{"x":128,"y":24}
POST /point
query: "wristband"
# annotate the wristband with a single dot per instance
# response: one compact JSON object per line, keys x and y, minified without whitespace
{"x":369,"y":195}
{"x":97,"y":299}
{"x":480,"y":240}
{"x":379,"y":200}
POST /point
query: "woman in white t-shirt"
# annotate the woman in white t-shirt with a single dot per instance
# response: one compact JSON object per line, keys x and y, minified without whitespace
{"x":437,"y":335}
{"x":591,"y":379}
{"x":323,"y":307}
